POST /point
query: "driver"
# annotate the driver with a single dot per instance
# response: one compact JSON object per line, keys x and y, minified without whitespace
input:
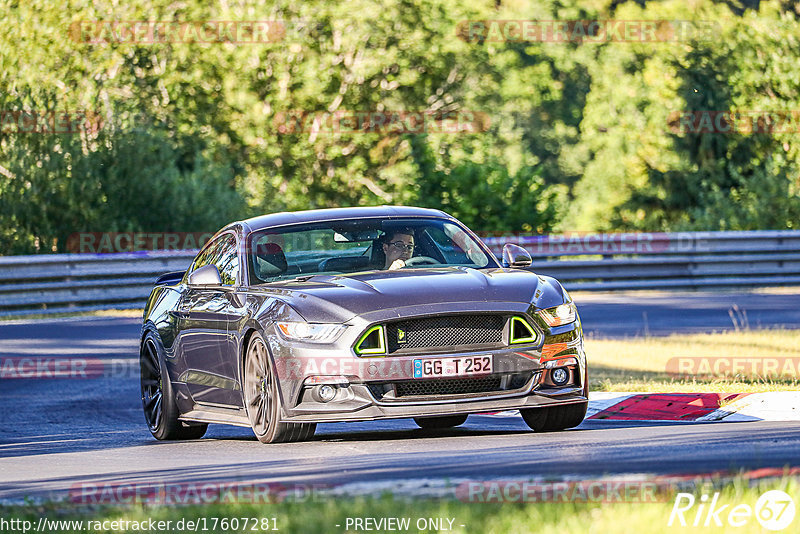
{"x":398,"y":248}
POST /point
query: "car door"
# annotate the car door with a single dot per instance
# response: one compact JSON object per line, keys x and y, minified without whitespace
{"x":232,"y":310}
{"x":205,"y":314}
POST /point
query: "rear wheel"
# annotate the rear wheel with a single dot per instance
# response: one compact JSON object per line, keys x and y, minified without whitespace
{"x":263,"y":401}
{"x":440,"y":421}
{"x":554,"y":417}
{"x":158,"y":398}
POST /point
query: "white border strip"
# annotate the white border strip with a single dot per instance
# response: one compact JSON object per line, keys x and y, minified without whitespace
{"x":602,"y":400}
{"x":771,"y":406}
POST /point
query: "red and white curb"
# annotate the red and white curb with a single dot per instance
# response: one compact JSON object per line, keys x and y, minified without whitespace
{"x":770,"y":406}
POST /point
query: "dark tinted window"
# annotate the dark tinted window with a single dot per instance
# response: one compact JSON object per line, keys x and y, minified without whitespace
{"x":222,"y":252}
{"x":228,"y":261}
{"x":356,"y":245}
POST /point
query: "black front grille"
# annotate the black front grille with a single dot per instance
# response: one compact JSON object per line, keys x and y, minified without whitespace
{"x":447,"y":386}
{"x":446,"y":331}
{"x":452,"y":386}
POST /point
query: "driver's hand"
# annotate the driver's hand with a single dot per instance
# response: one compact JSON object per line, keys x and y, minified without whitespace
{"x":397,"y":264}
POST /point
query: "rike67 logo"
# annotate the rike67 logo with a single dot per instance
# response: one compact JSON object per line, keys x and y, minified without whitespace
{"x":774,"y":510}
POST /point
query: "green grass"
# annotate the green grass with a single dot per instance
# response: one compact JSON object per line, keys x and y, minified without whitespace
{"x":320,"y":516}
{"x":640,"y":364}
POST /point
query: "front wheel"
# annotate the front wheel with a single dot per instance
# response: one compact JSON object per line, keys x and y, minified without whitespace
{"x":554,"y":417}
{"x":158,"y":398}
{"x":441,"y":421}
{"x":262,"y":400}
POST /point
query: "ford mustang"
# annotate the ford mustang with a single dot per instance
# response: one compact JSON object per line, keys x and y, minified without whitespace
{"x":291,"y":319}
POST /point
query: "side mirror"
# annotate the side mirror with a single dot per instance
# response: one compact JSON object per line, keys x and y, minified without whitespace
{"x":515,"y":256}
{"x":208,"y":275}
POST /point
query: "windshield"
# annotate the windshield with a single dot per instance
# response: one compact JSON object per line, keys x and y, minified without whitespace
{"x":349,"y":246}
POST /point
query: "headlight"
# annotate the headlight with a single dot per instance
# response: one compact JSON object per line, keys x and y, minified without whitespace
{"x":311,"y":332}
{"x":559,"y":315}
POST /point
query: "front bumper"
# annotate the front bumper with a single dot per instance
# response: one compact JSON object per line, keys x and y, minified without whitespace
{"x":524,"y":371}
{"x":369,"y":409}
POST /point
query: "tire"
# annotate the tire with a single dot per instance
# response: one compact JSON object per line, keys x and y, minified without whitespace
{"x":158,"y":398}
{"x":262,"y":400}
{"x":440,"y":421}
{"x":555,"y":417}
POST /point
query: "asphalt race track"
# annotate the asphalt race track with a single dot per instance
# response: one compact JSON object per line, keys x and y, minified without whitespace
{"x":59,"y":433}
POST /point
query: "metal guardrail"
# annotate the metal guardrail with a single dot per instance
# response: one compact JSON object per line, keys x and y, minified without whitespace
{"x":683,"y":260}
{"x":54,"y":283}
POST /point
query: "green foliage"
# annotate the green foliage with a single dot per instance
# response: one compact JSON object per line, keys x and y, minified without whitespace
{"x":485,"y":195}
{"x":134,"y":179}
{"x":578,"y":137}
{"x":649,"y":177}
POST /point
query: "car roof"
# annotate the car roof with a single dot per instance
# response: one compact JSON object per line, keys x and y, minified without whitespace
{"x":333,"y":214}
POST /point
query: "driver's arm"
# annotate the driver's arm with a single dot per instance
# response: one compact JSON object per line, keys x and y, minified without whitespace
{"x":397,"y":264}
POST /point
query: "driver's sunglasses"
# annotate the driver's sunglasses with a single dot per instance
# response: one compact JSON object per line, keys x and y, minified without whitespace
{"x":402,"y":246}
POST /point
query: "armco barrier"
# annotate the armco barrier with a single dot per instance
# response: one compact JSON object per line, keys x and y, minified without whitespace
{"x":683,"y":260}
{"x":55,"y":283}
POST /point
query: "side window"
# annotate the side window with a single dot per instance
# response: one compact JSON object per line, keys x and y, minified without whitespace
{"x":223,"y":254}
{"x":204,"y":258}
{"x":227,"y":260}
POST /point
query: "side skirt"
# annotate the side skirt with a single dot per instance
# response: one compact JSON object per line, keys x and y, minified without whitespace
{"x":207,"y":414}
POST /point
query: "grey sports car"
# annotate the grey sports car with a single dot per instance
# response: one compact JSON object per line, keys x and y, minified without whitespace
{"x":292,"y":319}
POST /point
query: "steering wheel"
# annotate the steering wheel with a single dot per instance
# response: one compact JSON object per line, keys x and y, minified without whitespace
{"x":417,"y":260}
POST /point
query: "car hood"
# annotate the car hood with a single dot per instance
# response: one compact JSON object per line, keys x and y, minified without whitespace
{"x":338,"y":298}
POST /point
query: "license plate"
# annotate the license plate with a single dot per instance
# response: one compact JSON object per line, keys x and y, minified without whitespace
{"x":463,"y":366}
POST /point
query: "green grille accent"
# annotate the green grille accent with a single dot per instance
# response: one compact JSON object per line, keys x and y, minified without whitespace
{"x":374,"y":340}
{"x":522,"y":331}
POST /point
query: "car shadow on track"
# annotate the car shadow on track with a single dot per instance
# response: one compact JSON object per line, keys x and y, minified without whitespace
{"x":477,"y":426}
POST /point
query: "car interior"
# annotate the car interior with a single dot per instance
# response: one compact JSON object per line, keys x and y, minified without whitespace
{"x":350,"y":251}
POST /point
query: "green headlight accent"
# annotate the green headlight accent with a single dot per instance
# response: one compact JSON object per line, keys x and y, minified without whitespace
{"x":372,"y":342}
{"x":521,"y":331}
